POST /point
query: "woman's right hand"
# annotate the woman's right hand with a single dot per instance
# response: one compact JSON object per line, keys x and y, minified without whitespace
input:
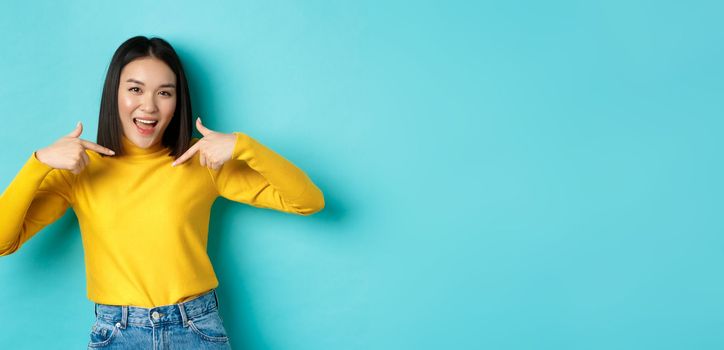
{"x":69,"y":152}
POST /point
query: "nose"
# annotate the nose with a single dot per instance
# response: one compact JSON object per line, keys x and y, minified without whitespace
{"x":148,"y":104}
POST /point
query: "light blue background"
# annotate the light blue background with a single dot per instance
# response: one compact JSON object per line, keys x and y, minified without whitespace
{"x":506,"y":175}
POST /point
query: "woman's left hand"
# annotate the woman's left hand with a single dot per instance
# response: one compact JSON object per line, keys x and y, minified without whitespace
{"x":215,"y":148}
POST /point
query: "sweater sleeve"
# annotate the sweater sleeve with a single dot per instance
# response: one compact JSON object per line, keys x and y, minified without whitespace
{"x":36,"y":197}
{"x":258,"y":176}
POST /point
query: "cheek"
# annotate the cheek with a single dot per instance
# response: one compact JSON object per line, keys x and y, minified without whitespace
{"x":126,"y":104}
{"x":168,"y":107}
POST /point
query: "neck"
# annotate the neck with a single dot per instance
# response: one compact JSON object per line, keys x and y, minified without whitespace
{"x":132,"y":149}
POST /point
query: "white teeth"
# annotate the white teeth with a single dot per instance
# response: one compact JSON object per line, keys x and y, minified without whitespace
{"x":146,"y":121}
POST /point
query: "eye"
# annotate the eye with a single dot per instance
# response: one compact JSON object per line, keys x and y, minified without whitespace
{"x":131,"y":89}
{"x":167,"y":93}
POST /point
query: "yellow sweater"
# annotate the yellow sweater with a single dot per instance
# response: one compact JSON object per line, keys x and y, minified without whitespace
{"x":143,"y":223}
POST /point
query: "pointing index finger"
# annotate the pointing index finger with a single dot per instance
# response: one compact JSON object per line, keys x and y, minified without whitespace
{"x":96,"y":147}
{"x":188,"y":154}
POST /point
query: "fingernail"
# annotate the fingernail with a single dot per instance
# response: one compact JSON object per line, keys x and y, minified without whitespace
{"x":113,"y":152}
{"x":173,"y":164}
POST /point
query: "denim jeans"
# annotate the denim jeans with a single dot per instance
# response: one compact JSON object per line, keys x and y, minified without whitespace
{"x":193,"y":324}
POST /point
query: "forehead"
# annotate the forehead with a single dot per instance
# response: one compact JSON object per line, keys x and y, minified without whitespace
{"x":149,"y":70}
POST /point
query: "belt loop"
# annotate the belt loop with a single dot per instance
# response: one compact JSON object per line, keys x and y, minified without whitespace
{"x":95,"y":309}
{"x":124,"y":316}
{"x":184,"y":318}
{"x":216,"y":298}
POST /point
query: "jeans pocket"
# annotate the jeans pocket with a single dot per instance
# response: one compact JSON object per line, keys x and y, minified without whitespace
{"x":102,"y":333}
{"x":209,"y":327}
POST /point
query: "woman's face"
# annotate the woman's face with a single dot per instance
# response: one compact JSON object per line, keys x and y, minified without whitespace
{"x":147,"y":91}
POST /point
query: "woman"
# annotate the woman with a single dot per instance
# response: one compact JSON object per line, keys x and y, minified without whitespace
{"x":143,"y":195}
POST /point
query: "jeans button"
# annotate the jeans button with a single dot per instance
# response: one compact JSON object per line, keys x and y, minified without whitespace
{"x":155,"y":315}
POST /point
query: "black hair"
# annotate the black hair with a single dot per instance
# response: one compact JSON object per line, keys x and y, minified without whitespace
{"x":177,"y":136}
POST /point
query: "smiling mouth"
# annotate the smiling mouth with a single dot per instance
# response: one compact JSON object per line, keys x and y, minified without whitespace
{"x":145,"y":125}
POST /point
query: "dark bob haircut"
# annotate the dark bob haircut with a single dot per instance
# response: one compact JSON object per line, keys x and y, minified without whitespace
{"x":177,"y":136}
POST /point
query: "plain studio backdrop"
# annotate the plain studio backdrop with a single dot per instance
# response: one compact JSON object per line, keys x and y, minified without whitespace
{"x":497,"y":175}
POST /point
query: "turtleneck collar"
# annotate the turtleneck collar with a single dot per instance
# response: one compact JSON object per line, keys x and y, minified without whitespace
{"x":131,"y":149}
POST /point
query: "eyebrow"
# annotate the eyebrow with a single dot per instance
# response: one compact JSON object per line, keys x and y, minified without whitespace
{"x":141,"y":83}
